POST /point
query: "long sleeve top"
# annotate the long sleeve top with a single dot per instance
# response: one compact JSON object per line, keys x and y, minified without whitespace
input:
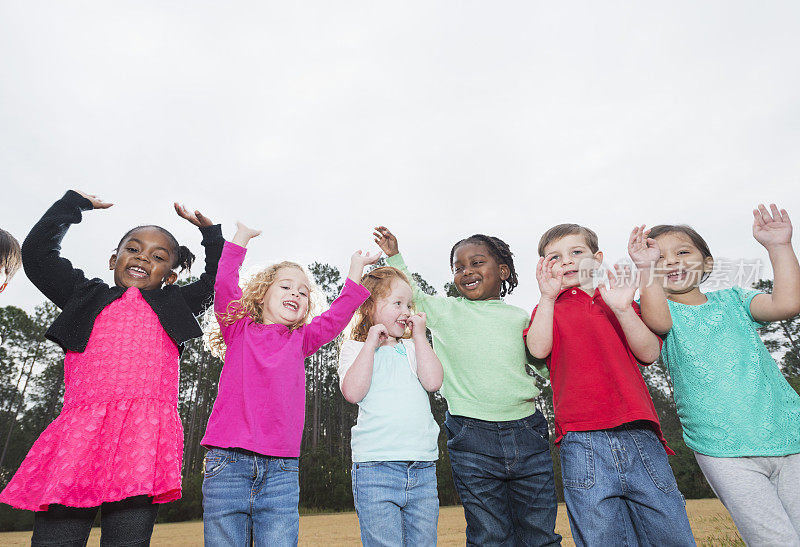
{"x":480,"y":345}
{"x":82,"y":299}
{"x":261,"y":401}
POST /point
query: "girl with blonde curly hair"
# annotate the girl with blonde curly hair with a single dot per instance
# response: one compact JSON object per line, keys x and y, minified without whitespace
{"x":250,"y":487}
{"x":394,"y":442}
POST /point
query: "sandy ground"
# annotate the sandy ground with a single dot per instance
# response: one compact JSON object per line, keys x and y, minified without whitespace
{"x":710,"y":522}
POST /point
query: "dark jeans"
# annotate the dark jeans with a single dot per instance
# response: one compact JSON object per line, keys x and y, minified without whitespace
{"x":127,"y":522}
{"x":504,"y":475}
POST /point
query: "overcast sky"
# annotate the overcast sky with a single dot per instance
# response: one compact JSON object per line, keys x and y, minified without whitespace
{"x":317,"y":121}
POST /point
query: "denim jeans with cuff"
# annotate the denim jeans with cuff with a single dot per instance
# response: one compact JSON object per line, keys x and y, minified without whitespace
{"x":397,"y":503}
{"x":249,"y":496}
{"x":503,"y":472}
{"x":620,"y":490}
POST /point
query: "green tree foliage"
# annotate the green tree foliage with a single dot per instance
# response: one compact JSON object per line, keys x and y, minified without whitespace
{"x":32,"y":389}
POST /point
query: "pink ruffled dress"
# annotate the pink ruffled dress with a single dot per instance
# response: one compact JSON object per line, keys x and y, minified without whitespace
{"x":119,"y":433}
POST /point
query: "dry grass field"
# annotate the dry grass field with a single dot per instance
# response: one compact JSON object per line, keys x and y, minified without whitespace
{"x":710,"y":522}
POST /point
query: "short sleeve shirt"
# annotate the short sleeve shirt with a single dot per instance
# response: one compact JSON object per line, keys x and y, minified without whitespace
{"x":594,"y":374}
{"x":394,"y":421}
{"x":732,"y":398}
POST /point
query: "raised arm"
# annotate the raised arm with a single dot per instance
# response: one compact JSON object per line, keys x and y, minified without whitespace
{"x":388,"y":243}
{"x":644,"y":344}
{"x":645,"y":253}
{"x":540,"y":332}
{"x":774,"y":231}
{"x":199,"y":293}
{"x":429,"y":368}
{"x":51,"y":273}
{"x":327,"y":325}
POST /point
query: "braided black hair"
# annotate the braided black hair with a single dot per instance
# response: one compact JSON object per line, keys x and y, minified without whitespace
{"x":184,"y":257}
{"x":500,"y":250}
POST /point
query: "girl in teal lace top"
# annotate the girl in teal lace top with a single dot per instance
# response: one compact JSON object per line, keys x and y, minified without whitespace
{"x":739,"y":414}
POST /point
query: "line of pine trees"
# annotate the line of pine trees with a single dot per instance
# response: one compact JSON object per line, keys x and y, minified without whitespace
{"x":32,"y":389}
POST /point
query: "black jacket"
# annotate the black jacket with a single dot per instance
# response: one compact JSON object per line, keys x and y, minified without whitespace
{"x":81,"y":299}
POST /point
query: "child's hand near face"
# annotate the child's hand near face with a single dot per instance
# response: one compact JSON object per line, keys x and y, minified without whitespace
{"x":416,"y":323}
{"x":771,"y":229}
{"x":549,"y":277}
{"x":622,"y":288}
{"x":97,"y":203}
{"x":643,"y":250}
{"x":195,"y":218}
{"x":244,"y":234}
{"x":376,"y":335}
{"x":386,"y":240}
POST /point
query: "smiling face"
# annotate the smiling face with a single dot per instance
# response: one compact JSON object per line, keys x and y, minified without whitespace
{"x":287,"y":299}
{"x":393,"y":310}
{"x":144,"y":259}
{"x":476,"y":273}
{"x":682,"y":264}
{"x":572,"y":255}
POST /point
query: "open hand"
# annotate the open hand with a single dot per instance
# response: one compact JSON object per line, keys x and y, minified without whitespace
{"x":386,"y":240}
{"x":644,"y":251}
{"x":549,"y":277}
{"x":377,"y":335}
{"x":416,"y":323}
{"x":244,"y":234}
{"x":365,"y":259}
{"x":771,"y":229}
{"x":97,"y":203}
{"x":197,"y":218}
{"x":623,"y":282}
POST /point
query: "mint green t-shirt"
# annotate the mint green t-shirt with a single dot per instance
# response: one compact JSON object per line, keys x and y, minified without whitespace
{"x":732,"y":398}
{"x":394,"y":421}
{"x":480,"y":345}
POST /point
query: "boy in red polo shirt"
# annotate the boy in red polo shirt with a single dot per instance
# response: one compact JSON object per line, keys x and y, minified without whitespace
{"x":618,"y":485}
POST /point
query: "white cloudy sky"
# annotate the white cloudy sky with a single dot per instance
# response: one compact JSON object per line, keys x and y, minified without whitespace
{"x":314,"y":121}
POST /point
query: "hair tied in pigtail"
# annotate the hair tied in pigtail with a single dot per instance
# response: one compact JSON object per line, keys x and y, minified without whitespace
{"x":185,"y":258}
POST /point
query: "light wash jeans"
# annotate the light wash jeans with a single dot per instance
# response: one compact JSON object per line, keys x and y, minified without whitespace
{"x":620,"y":490}
{"x":249,"y":496}
{"x":397,"y":503}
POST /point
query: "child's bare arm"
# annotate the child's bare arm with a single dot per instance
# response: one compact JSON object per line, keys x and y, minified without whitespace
{"x":540,"y":334}
{"x":619,"y":297}
{"x":645,"y":253}
{"x":429,"y":368}
{"x":358,"y":377}
{"x":774,"y":231}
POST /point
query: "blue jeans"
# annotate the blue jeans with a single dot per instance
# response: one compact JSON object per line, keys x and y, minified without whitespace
{"x":397,"y":503}
{"x":620,"y":489}
{"x":247,"y":496}
{"x":504,"y":476}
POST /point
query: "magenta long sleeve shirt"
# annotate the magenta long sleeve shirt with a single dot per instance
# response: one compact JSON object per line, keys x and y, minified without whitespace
{"x":260,"y":405}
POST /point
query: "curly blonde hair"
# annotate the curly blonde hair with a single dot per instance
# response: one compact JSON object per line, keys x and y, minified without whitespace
{"x":379,"y":283}
{"x":251,"y":305}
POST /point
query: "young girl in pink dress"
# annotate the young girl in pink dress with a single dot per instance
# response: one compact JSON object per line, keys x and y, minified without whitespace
{"x":118,"y":441}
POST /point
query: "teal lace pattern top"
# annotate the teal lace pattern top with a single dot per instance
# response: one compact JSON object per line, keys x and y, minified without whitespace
{"x":732,"y":398}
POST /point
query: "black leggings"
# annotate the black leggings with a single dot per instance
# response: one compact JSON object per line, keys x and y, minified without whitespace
{"x":128,"y":522}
